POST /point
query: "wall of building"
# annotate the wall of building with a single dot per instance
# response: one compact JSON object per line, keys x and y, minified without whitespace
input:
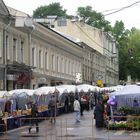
{"x":103,"y":48}
{"x":87,"y":34}
{"x":112,"y":64}
{"x":60,"y":58}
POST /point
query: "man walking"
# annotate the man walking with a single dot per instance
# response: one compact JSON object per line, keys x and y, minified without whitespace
{"x":52,"y":107}
{"x":34,"y":115}
{"x":77,"y":110}
{"x":99,"y":114}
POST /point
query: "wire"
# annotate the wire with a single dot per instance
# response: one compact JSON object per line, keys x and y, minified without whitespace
{"x":88,"y":35}
{"x":109,"y":10}
{"x":122,"y":8}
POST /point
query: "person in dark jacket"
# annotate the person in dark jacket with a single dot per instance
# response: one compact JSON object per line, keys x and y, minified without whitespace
{"x":52,"y":108}
{"x":135,"y":103}
{"x":99,"y":114}
{"x":71,"y":102}
{"x":34,"y":115}
{"x":66,"y":104}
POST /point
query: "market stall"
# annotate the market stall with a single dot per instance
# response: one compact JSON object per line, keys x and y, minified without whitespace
{"x":64,"y":91}
{"x":126,"y":96}
{"x":4,"y":96}
{"x":126,"y":112}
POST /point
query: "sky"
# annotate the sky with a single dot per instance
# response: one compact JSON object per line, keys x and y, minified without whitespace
{"x":130,"y":16}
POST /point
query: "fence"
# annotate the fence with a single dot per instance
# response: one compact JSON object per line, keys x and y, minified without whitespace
{"x":62,"y":129}
{"x":65,"y":128}
{"x":128,"y":126}
{"x":3,"y":130}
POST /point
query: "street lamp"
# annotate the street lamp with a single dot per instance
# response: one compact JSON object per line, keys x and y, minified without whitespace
{"x":5,"y":54}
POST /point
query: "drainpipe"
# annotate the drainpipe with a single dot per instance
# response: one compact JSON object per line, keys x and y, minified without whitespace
{"x":30,"y":42}
{"x":5,"y":54}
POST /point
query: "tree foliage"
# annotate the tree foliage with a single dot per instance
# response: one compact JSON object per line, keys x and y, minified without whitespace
{"x":118,"y":29}
{"x":129,"y":58}
{"x":51,"y":9}
{"x":94,"y":18}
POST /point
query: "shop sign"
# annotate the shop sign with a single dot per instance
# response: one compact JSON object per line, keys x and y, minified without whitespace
{"x":1,"y":84}
{"x":78,"y":78}
{"x":42,"y":80}
{"x":11,"y":77}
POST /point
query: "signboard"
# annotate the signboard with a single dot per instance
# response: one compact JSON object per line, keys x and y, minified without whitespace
{"x":42,"y":80}
{"x":99,"y":82}
{"x":78,"y":78}
{"x":1,"y":84}
{"x":100,"y":78}
{"x":11,"y":77}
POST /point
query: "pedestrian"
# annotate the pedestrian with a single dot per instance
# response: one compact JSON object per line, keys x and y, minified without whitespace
{"x":71,"y":102}
{"x":86,"y":103}
{"x":77,"y":110}
{"x":135,"y":103}
{"x":66,"y":103}
{"x":99,"y":114}
{"x":82,"y":105}
{"x":91,"y":101}
{"x":34,"y":115}
{"x":2,"y":124}
{"x":52,"y":107}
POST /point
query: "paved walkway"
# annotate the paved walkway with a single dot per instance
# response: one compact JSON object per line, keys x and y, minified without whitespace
{"x":65,"y":128}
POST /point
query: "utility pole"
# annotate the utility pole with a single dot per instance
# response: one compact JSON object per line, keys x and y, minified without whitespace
{"x":5,"y":54}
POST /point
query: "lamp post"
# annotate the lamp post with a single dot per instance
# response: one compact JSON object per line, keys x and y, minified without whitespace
{"x":5,"y":54}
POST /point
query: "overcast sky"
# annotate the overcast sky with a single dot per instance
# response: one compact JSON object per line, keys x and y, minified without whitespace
{"x":130,"y":16}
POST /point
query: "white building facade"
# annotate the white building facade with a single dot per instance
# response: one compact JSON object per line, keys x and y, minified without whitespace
{"x":103,"y":68}
{"x":32,"y":55}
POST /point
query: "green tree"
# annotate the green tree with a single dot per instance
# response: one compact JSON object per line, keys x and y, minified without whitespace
{"x":121,"y":36}
{"x":129,"y":55}
{"x":93,"y":18}
{"x":118,"y":29}
{"x":51,"y":9}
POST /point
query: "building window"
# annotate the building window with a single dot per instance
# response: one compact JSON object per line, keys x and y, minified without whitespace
{"x":14,"y":49}
{"x":52,"y":62}
{"x":33,"y":56}
{"x":62,"y":21}
{"x":69,"y":68}
{"x":73,"y":66}
{"x":7,"y":47}
{"x":22,"y":51}
{"x":65,"y":67}
{"x":62,"y":65}
{"x":46,"y":60}
{"x":57,"y":65}
{"x":39,"y":59}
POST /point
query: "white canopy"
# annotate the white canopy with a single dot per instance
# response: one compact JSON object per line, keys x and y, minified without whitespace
{"x":45,"y":90}
{"x":66,"y":88}
{"x":4,"y":94}
{"x":84,"y":88}
{"x":126,"y":96}
{"x":112,"y":88}
{"x":129,"y":89}
{"x":21,"y":92}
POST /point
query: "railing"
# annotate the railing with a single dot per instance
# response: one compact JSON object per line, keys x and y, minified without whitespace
{"x":65,"y":128}
{"x":128,"y":125}
{"x":3,"y":131}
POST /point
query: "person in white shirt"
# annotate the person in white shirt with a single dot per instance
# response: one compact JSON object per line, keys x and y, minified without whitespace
{"x":77,"y":110}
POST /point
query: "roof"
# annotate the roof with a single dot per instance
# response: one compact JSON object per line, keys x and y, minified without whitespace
{"x":3,"y":9}
{"x":62,"y":35}
{"x":76,"y":40}
{"x":17,"y":13}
